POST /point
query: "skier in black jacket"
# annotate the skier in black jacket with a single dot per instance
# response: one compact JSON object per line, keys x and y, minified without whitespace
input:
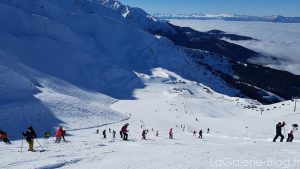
{"x":104,"y":133}
{"x":30,"y":135}
{"x":200,"y":134}
{"x":144,"y":133}
{"x":121,"y":134}
{"x":114,"y":133}
{"x":278,"y":131}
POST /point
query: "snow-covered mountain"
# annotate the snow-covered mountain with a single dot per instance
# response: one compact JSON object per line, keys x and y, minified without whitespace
{"x":212,"y":41}
{"x":55,"y":53}
{"x":67,"y":60}
{"x":229,"y":17}
{"x":94,"y":64}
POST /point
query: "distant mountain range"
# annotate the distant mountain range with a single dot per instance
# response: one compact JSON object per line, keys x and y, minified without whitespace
{"x":227,"y":17}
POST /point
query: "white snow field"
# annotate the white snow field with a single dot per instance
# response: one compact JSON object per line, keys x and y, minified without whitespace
{"x":81,"y":65}
{"x":164,"y":106}
{"x":280,"y":40}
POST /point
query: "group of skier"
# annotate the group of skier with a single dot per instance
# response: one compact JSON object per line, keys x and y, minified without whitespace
{"x":30,"y":135}
{"x":104,"y":133}
{"x":291,"y":131}
{"x":124,"y":133}
{"x":171,"y":133}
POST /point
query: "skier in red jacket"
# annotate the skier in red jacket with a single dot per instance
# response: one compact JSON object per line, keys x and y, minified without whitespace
{"x":58,"y":135}
{"x":4,"y":137}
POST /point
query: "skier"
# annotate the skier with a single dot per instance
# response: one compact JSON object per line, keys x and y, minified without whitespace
{"x":194,"y":133}
{"x":4,"y":137}
{"x":144,"y":134}
{"x":109,"y":130}
{"x":125,"y":131}
{"x":58,"y":134}
{"x":104,"y":133}
{"x":47,"y":135}
{"x":171,"y":133}
{"x":121,"y":133}
{"x":200,"y":133}
{"x":294,"y":128}
{"x":97,"y":131}
{"x":278,"y":131}
{"x":64,"y":132}
{"x":114,"y":133}
{"x":30,"y":135}
{"x":208,"y":130}
{"x":156,"y":133}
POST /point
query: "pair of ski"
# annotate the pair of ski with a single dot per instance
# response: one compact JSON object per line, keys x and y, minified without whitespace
{"x":35,"y":151}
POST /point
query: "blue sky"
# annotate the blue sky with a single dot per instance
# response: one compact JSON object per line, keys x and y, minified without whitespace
{"x":249,"y":7}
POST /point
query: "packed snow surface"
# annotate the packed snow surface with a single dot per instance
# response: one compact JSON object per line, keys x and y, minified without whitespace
{"x":236,"y":134}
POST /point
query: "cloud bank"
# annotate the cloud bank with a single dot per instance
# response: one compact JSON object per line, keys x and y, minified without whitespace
{"x":280,"y":40}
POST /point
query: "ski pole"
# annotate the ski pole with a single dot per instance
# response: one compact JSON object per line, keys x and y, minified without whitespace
{"x":39,"y":143}
{"x":22,"y":145}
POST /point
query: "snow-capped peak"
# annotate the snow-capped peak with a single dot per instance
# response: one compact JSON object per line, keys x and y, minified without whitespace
{"x":136,"y":16}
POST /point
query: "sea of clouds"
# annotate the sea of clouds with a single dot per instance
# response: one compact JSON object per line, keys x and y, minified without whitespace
{"x":279,"y":40}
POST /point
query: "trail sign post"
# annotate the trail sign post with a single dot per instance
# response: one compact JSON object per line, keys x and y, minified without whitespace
{"x":295,"y":100}
{"x":261,"y":111}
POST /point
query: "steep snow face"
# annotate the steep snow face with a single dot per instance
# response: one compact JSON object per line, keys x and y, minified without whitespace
{"x":78,"y":48}
{"x":14,"y":86}
{"x":95,"y":51}
{"x":29,"y":97}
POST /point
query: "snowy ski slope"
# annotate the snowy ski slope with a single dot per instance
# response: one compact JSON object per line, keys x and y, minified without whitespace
{"x":162,"y":106}
{"x":80,"y":65}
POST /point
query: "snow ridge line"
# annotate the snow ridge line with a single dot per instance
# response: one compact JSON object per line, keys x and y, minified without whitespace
{"x":85,"y":128}
{"x":106,"y":124}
